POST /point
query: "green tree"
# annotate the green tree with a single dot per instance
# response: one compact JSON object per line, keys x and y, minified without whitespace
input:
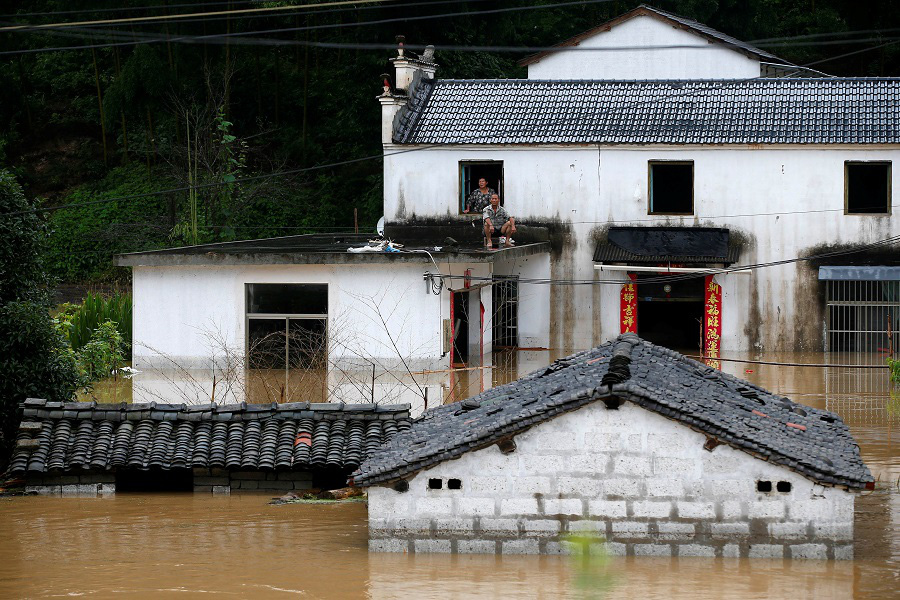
{"x":34,"y":358}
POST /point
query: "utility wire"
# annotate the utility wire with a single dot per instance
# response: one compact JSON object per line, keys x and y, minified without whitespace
{"x":330,"y":165}
{"x":238,"y":11}
{"x":86,"y":11}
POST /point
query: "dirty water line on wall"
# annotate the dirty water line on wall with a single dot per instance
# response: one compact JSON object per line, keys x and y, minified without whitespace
{"x":784,"y":364}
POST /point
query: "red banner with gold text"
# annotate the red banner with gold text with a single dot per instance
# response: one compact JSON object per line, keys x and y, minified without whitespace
{"x":628,"y":315}
{"x":712,"y":319}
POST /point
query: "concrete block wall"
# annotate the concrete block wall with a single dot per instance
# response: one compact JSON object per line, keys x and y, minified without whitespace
{"x":642,"y":482}
{"x":223,"y":481}
{"x":85,"y":484}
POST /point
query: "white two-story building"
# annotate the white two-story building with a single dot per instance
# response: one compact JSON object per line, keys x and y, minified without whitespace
{"x":658,"y":152}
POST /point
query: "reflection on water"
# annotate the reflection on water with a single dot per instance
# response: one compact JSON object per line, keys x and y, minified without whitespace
{"x":146,"y":545}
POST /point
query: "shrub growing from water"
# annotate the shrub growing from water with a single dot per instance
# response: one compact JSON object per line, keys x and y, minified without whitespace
{"x":81,"y":322}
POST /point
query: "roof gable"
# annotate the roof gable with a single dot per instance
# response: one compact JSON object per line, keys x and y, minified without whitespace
{"x":813,"y":442}
{"x":683,"y":23}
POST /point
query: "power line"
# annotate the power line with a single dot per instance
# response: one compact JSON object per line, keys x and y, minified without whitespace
{"x":382,"y":155}
{"x":127,"y":9}
{"x":183,"y":15}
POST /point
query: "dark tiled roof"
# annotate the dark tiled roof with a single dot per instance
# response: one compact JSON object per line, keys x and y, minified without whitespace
{"x":655,"y":245}
{"x":755,"y":111}
{"x":59,"y":437}
{"x":609,"y":253}
{"x":813,"y":442}
{"x":695,"y":26}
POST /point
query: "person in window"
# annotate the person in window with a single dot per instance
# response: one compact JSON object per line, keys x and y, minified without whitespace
{"x":479,"y":198}
{"x":497,"y":220}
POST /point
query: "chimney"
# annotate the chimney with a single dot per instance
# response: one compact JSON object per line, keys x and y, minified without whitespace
{"x":408,"y":71}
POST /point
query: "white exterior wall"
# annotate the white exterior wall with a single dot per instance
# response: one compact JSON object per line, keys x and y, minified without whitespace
{"x":581,"y":190}
{"x":642,"y":482}
{"x":702,"y":61}
{"x":176,"y":306}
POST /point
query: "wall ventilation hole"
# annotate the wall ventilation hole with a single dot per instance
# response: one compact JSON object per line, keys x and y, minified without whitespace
{"x":456,"y":484}
{"x":783,"y":486}
{"x":435,"y":483}
{"x":401,"y":486}
{"x":764,"y":486}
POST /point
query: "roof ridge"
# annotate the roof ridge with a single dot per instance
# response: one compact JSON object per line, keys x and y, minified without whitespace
{"x":795,"y":80}
{"x":47,"y":409}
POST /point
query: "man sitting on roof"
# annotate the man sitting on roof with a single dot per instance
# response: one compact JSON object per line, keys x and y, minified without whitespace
{"x":496,"y":219}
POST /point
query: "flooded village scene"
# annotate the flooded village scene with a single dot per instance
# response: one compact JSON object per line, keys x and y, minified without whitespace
{"x":449,"y":299}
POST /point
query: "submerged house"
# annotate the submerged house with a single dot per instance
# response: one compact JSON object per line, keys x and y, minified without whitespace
{"x":652,"y":452}
{"x":654,"y":144}
{"x":702,"y":159}
{"x":85,"y":448}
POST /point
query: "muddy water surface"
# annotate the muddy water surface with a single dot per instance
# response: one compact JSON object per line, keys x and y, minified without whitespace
{"x":185,"y":545}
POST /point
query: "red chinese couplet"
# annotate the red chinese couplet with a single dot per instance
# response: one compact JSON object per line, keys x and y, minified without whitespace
{"x":712,"y":318}
{"x":629,"y":306}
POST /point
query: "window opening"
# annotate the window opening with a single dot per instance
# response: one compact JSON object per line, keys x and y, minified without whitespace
{"x":469,"y":174}
{"x":459,"y":305}
{"x":867,"y":187}
{"x":435,"y":484}
{"x":764,"y":486}
{"x":454,"y":484}
{"x":783,"y":486}
{"x":286,"y":339}
{"x":505,"y":302}
{"x":671,"y":188}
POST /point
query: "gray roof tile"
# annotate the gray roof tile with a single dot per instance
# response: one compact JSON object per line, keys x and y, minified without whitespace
{"x":235,"y":436}
{"x":755,"y":111}
{"x":731,"y":410}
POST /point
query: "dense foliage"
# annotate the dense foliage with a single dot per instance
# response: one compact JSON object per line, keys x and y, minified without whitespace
{"x":199,"y":113}
{"x":34,"y":358}
{"x":80,"y":322}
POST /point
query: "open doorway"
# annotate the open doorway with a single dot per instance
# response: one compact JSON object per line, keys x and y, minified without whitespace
{"x":459,"y":316}
{"x":670,"y":314}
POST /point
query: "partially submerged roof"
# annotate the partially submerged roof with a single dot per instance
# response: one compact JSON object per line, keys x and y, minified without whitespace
{"x":813,"y":442}
{"x":658,"y":245}
{"x":690,"y":25}
{"x":86,"y":436}
{"x":335,"y":249}
{"x":746,"y":111}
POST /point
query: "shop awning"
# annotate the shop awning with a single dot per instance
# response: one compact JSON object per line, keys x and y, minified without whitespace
{"x":859,"y":273}
{"x":656,"y":245}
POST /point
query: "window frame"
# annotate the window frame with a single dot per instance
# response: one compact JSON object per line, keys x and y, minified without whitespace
{"x":462,"y":193}
{"x":286,"y":318}
{"x":888,"y":203}
{"x":650,"y":164}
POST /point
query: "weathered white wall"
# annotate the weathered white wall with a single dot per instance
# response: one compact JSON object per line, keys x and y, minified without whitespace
{"x":534,"y":300}
{"x":786,"y":201}
{"x":635,"y":478}
{"x":175,"y":308}
{"x":701,"y":60}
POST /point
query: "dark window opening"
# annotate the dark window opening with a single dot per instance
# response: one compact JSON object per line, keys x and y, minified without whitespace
{"x":671,"y":314}
{"x":672,"y":188}
{"x":505,"y":302}
{"x":471,"y":172}
{"x":435,"y":483}
{"x":868,"y":188}
{"x":454,"y":484}
{"x":764,"y":486}
{"x":783,"y":486}
{"x":287,"y":298}
{"x":460,"y":306}
{"x":172,"y":480}
{"x":401,"y":486}
{"x":287,"y":338}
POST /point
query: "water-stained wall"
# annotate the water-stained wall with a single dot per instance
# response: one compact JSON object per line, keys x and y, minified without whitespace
{"x":630,"y":477}
{"x":779,"y":202}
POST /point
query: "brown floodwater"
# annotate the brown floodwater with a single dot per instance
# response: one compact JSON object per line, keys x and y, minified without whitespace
{"x":185,"y":545}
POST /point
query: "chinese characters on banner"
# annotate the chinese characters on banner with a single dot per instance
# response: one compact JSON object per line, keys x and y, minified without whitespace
{"x":629,"y":306}
{"x":712,"y":315}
